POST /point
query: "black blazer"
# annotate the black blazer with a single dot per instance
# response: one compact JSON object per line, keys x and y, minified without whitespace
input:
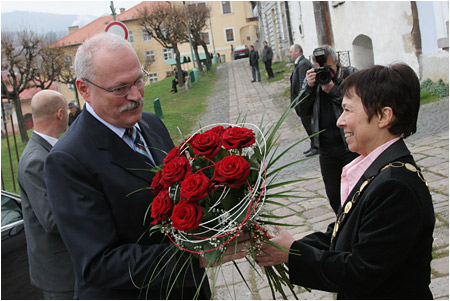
{"x":383,"y":248}
{"x":297,"y":78}
{"x":89,"y":174}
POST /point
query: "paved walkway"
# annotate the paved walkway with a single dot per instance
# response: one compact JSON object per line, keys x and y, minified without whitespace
{"x":236,"y":96}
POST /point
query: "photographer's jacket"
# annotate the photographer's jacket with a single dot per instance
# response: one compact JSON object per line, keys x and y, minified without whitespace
{"x":309,"y":101}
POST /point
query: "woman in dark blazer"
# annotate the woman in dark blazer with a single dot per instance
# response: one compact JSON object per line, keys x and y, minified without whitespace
{"x":380,"y":246}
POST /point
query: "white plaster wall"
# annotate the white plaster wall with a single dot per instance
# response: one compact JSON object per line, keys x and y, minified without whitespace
{"x":309,"y":39}
{"x":388,"y":24}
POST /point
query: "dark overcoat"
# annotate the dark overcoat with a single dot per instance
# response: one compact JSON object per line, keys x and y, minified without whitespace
{"x":383,"y":248}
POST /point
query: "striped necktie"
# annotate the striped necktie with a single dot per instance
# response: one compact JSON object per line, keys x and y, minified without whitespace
{"x":138,"y":145}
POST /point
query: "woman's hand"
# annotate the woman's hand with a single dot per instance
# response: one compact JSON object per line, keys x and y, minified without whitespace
{"x":271,"y":255}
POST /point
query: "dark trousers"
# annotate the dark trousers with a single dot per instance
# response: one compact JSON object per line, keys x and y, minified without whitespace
{"x":268,"y":65}
{"x":331,"y":164}
{"x":174,"y":84}
{"x":306,"y":121}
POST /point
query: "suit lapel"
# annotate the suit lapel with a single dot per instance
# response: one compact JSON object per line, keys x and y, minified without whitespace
{"x":121,"y":154}
{"x":41,"y":141}
{"x":154,"y":142}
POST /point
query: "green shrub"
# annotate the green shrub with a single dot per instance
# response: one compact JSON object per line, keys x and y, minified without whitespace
{"x":439,"y":89}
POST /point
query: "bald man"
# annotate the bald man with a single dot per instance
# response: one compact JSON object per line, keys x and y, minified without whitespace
{"x":51,"y":269}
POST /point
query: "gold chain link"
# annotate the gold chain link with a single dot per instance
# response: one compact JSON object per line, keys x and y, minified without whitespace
{"x":350,"y":204}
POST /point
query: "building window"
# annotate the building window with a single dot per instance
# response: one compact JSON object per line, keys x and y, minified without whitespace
{"x":130,"y":36}
{"x":153,"y":77}
{"x":68,"y":61}
{"x":229,"y":35}
{"x":71,"y":87}
{"x":226,"y":7}
{"x":196,"y":4}
{"x":167,"y":53}
{"x":145,"y":35}
{"x":150,"y":57}
{"x":205,"y":37}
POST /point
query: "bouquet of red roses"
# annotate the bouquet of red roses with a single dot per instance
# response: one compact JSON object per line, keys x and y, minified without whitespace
{"x":209,"y":189}
{"x":213,"y":187}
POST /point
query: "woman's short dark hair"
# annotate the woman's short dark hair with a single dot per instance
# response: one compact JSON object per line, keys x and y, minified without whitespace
{"x":396,"y":86}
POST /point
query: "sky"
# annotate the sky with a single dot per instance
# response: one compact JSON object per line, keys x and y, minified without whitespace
{"x":95,"y":8}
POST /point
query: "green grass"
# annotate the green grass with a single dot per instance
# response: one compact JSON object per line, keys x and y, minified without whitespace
{"x":179,"y":110}
{"x":7,"y":175}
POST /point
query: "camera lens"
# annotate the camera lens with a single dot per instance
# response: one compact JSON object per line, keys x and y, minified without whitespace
{"x":323,"y":76}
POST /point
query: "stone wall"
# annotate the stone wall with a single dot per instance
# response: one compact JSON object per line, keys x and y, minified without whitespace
{"x":434,"y":66}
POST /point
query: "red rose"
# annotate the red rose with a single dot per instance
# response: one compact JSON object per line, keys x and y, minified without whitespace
{"x":175,"y":152}
{"x":207,"y":144}
{"x":232,"y":170}
{"x":217,"y":129}
{"x":234,"y":137}
{"x":175,"y":170}
{"x":195,"y":187}
{"x":161,"y":207}
{"x":186,"y":216}
{"x":157,"y":185}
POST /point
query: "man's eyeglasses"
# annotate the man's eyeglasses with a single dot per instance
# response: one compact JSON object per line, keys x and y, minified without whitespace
{"x":122,"y":91}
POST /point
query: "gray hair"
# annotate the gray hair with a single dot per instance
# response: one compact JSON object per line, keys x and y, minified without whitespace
{"x":85,"y":53}
{"x":298,"y":48}
{"x":329,"y":52}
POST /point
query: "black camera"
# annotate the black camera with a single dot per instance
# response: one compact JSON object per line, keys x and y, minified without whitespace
{"x":323,"y":73}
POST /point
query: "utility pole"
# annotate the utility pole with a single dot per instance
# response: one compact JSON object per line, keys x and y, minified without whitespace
{"x":212,"y":37}
{"x":113,"y":11}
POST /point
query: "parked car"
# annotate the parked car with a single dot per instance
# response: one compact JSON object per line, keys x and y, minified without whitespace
{"x":16,"y":284}
{"x":241,"y":51}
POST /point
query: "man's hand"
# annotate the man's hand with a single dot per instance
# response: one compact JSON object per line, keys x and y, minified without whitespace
{"x":235,"y":250}
{"x":311,"y":77}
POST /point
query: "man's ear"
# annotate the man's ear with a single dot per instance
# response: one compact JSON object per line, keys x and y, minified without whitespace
{"x":386,"y":117}
{"x":59,"y":114}
{"x":84,"y":89}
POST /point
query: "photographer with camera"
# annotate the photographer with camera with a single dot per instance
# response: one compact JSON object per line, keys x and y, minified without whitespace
{"x":322,"y":100}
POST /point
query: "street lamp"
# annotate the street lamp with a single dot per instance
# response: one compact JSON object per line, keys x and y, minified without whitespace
{"x":194,"y":70}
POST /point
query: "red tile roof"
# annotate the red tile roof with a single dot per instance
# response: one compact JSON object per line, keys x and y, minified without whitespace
{"x":27,"y":94}
{"x":77,"y":37}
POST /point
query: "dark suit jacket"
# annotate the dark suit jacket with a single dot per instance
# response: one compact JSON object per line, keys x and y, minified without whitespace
{"x":383,"y":248}
{"x":50,"y":265}
{"x":90,"y":175}
{"x":297,"y":78}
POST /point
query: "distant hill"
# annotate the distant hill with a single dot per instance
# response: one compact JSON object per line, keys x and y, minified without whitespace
{"x":42,"y":22}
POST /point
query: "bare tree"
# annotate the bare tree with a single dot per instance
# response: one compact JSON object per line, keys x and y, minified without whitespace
{"x":67,"y":75}
{"x":166,"y":24}
{"x":49,"y":64}
{"x":18,"y":69}
{"x":198,"y":16}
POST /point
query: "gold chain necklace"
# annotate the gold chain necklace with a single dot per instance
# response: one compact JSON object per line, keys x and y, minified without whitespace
{"x":355,"y":197}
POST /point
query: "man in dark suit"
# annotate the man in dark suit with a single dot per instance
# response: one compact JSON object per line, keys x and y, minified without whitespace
{"x":297,"y":77}
{"x":51,"y":269}
{"x":95,"y":177}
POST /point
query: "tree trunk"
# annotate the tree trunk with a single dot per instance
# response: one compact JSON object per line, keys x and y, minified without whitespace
{"x":20,"y":120}
{"x":197,"y":58}
{"x":179,"y":71}
{"x":207,"y":54}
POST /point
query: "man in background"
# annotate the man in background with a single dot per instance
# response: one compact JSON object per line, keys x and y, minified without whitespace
{"x":267,"y":57}
{"x":51,"y":269}
{"x":297,"y":77}
{"x":254,"y":63}
{"x":74,"y":112}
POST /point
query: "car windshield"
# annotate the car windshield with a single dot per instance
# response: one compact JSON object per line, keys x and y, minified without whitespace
{"x":10,"y":211}
{"x":241,"y":47}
